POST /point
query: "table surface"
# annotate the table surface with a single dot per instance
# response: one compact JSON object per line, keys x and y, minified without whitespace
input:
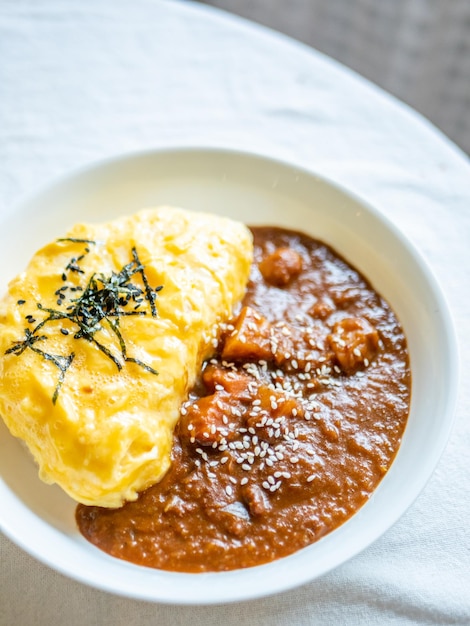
{"x":83,"y":81}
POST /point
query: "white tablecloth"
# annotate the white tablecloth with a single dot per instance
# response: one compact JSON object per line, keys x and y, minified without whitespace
{"x":80,"y":81}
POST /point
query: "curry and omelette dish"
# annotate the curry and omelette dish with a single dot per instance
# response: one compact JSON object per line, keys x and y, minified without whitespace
{"x":212,"y":396}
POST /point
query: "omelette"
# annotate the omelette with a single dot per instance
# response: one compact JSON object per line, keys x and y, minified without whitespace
{"x":103,"y":335}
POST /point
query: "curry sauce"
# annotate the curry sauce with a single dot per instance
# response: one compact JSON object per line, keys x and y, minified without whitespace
{"x":293,"y":423}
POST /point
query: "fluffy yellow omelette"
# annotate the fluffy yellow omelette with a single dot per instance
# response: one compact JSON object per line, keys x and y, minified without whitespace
{"x":102,"y":336}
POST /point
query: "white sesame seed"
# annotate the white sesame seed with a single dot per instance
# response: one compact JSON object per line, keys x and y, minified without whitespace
{"x":229,"y":490}
{"x":266,"y":485}
{"x":224,"y":460}
{"x":310,"y":478}
{"x":244,"y":481}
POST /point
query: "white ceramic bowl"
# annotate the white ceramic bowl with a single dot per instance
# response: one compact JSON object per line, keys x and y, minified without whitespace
{"x":256,"y":190}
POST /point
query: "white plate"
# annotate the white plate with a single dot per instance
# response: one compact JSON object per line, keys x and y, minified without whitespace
{"x":256,"y":190}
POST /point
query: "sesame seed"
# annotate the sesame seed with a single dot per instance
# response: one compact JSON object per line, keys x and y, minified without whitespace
{"x":229,"y":490}
{"x":244,"y":481}
{"x":310,"y":478}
